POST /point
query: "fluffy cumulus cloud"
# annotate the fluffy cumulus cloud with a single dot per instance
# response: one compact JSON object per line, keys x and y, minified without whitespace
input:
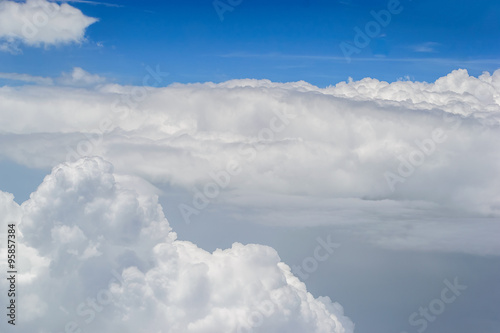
{"x":40,"y":23}
{"x":100,"y":256}
{"x":359,"y":151}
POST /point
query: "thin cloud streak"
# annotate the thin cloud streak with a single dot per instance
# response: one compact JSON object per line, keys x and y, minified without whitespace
{"x":27,"y":78}
{"x":95,"y":3}
{"x":364,"y":59}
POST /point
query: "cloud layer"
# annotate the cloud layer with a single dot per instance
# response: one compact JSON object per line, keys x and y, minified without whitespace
{"x":40,"y":23}
{"x":360,"y":151}
{"x":100,"y":256}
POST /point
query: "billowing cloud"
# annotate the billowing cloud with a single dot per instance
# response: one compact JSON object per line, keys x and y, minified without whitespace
{"x":40,"y":23}
{"x":100,"y":256}
{"x":357,"y":152}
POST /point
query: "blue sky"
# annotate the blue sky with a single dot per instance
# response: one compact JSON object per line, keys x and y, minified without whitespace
{"x":277,"y":40}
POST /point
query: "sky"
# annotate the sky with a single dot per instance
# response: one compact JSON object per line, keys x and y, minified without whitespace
{"x":277,"y":40}
{"x":251,"y":166}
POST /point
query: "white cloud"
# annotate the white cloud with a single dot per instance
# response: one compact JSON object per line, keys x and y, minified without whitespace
{"x":96,"y":3}
{"x":102,"y":256}
{"x":40,"y":23}
{"x":10,"y":46}
{"x":325,"y":162}
{"x":78,"y":78}
{"x":27,"y":78}
{"x":427,"y":47}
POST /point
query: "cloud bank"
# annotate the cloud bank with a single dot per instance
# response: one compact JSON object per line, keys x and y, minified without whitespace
{"x":403,"y":153}
{"x":100,"y":256}
{"x":39,"y":23}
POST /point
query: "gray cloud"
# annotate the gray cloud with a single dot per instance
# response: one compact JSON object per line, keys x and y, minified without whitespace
{"x":358,"y":152}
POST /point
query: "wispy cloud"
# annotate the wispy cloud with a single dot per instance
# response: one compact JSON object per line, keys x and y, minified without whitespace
{"x":27,"y":78}
{"x":95,"y":3}
{"x":77,"y":77}
{"x":341,"y":59}
{"x":10,"y":47}
{"x":428,"y":47}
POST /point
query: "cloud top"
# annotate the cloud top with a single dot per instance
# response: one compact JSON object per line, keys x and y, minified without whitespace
{"x":107,"y":257}
{"x":357,"y":152}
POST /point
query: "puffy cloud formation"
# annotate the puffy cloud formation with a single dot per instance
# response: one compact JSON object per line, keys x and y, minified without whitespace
{"x":40,"y":23}
{"x":456,"y":93}
{"x":80,"y":77}
{"x":99,"y":256}
{"x":359,"y":151}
